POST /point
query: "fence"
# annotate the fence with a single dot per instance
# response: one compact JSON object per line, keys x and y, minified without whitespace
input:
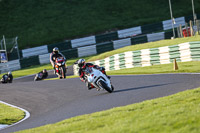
{"x":189,"y":29}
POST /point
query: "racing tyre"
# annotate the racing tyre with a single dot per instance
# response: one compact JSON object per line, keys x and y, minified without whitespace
{"x":63,"y":72}
{"x":112,"y":87}
{"x":104,"y":85}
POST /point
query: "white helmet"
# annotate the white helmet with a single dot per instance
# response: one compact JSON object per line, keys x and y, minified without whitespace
{"x":9,"y":73}
{"x":56,"y":50}
{"x":81,"y":62}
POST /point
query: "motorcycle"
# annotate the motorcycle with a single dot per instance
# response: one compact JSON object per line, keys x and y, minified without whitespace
{"x":60,"y":67}
{"x":99,"y":80}
{"x":38,"y":76}
{"x":5,"y":79}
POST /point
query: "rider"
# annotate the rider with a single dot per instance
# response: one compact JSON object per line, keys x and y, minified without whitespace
{"x":44,"y":73}
{"x":82,"y":66}
{"x":7,"y":78}
{"x":54,"y":55}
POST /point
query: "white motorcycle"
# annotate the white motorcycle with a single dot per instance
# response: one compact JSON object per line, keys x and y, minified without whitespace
{"x":99,"y":80}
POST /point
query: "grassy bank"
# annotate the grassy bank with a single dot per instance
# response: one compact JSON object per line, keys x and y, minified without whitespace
{"x":46,"y":22}
{"x":10,"y":115}
{"x":176,"y":113}
{"x":184,"y":67}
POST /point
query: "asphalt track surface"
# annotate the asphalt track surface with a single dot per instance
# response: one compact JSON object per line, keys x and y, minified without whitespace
{"x":50,"y":75}
{"x":56,"y":100}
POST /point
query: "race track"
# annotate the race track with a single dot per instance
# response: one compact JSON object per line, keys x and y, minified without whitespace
{"x":53,"y":101}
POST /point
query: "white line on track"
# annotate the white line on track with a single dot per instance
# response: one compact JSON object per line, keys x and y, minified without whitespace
{"x":27,"y":115}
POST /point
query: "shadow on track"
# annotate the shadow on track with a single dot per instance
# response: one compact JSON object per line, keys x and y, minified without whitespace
{"x":143,"y":87}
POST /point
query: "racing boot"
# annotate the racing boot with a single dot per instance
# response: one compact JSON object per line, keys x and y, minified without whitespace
{"x":89,"y":86}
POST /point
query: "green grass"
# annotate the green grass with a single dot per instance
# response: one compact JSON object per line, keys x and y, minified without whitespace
{"x":184,"y":67}
{"x":178,"y":113}
{"x":38,"y":22}
{"x":36,"y":69}
{"x":10,"y":115}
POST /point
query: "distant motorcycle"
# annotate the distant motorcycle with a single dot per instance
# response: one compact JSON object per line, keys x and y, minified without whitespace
{"x":99,"y":80}
{"x":60,"y":67}
{"x":5,"y":79}
{"x":38,"y":76}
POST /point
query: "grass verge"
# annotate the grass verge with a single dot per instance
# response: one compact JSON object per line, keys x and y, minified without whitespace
{"x":10,"y":115}
{"x":36,"y":69}
{"x":176,"y":113}
{"x":184,"y":67}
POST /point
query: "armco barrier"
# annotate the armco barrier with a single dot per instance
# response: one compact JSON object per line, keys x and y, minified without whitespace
{"x":184,"y":52}
{"x":30,"y":61}
{"x":62,"y":45}
{"x":167,"y":24}
{"x":97,"y":49}
{"x":10,"y":66}
{"x":121,"y":43}
{"x":70,"y":53}
{"x":83,"y":41}
{"x":44,"y":59}
{"x":129,"y":32}
{"x":150,"y":28}
{"x":139,"y":39}
{"x":106,"y":37}
{"x":115,"y":35}
{"x":87,"y":51}
{"x":104,"y":47}
{"x":35,"y":51}
{"x":155,"y":36}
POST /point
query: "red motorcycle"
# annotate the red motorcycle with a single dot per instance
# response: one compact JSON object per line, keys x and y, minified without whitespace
{"x":60,"y":67}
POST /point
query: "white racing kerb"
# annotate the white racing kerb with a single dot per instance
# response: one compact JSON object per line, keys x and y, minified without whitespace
{"x":27,"y":115}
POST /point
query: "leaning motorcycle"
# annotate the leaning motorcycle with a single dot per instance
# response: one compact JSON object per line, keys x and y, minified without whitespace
{"x":99,"y":80}
{"x":5,"y":79}
{"x":60,"y":67}
{"x":38,"y":76}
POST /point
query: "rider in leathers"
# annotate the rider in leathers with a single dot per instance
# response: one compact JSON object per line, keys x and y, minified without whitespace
{"x":82,"y":66}
{"x":7,"y":78}
{"x":54,"y":55}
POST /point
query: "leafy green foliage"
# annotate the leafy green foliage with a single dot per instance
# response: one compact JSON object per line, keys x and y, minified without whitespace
{"x":38,"y":22}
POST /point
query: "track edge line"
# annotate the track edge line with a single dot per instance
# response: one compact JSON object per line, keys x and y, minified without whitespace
{"x":27,"y":115}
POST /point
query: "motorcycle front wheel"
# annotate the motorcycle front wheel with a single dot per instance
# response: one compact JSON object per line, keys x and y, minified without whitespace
{"x":63,"y":72}
{"x":104,"y":85}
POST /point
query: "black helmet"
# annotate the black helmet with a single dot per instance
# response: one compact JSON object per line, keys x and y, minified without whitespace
{"x":44,"y":71}
{"x":81,"y":62}
{"x":55,"y":50}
